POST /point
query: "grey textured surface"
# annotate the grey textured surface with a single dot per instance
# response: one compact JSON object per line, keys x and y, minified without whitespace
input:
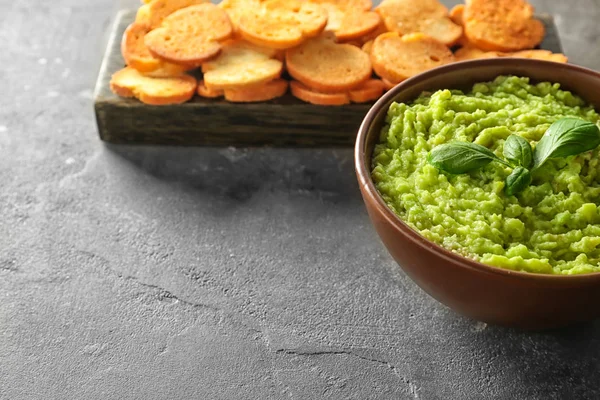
{"x":152,"y":273}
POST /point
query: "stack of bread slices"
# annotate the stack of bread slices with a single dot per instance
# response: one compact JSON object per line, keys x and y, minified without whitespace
{"x":326,"y":52}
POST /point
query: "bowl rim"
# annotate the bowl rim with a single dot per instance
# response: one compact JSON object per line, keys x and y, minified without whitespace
{"x":363,"y":171}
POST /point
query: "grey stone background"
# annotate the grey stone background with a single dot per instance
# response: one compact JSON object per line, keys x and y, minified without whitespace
{"x":163,"y":273}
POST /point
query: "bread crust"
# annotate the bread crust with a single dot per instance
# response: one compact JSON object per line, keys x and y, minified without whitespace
{"x":429,"y":17}
{"x":502,"y":25}
{"x":396,"y":58}
{"x":367,"y":47}
{"x":381,"y":29}
{"x":203,"y":91}
{"x":539,"y":55}
{"x":265,"y":92}
{"x":128,"y":82}
{"x":158,"y":10}
{"x":237,"y":8}
{"x":282,"y":24}
{"x":469,"y":52}
{"x":456,"y":14}
{"x":191,"y":35}
{"x":137,"y":55}
{"x":304,"y":93}
{"x":143,"y":15}
{"x":388,"y":85}
{"x":369,"y":91}
{"x":349,"y":19}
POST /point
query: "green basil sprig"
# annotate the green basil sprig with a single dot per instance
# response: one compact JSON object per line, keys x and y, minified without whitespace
{"x":566,"y":137}
{"x":518,"y":180}
{"x":518,"y":151}
{"x":461,"y":157}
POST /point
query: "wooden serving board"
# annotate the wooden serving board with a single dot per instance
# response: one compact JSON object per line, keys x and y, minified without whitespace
{"x":284,"y":122}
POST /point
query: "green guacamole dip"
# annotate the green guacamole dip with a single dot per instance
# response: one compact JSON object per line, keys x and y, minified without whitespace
{"x":552,"y":227}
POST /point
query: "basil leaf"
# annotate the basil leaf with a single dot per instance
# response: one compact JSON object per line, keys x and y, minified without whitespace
{"x":517,"y":181}
{"x":566,"y":137}
{"x":518,"y":151}
{"x":461,"y":157}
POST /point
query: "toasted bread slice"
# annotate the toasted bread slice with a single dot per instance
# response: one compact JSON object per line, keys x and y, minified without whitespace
{"x":443,"y":30}
{"x":349,"y":19}
{"x":326,"y":66}
{"x":502,"y":25}
{"x":539,"y":55}
{"x":355,"y":43}
{"x":203,"y":91}
{"x":143,"y":15}
{"x":369,"y":91}
{"x":367,"y":47}
{"x":166,"y":70}
{"x":282,"y":24}
{"x":137,"y":55}
{"x":381,"y":29}
{"x":128,"y":82}
{"x":396,"y":57}
{"x":388,"y":85}
{"x":471,"y":53}
{"x":304,"y":93}
{"x":426,"y":16}
{"x":241,"y":64}
{"x":237,"y":8}
{"x":158,"y":10}
{"x":265,"y":92}
{"x":191,"y":35}
{"x":456,"y":14}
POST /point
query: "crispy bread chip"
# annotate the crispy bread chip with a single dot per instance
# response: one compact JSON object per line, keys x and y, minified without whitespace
{"x":143,"y":15}
{"x":191,"y":35}
{"x":265,"y":92}
{"x":203,"y":91}
{"x":367,"y":47}
{"x":137,"y":55}
{"x":326,"y":66}
{"x":237,"y":8}
{"x":241,"y":64}
{"x":456,"y":14}
{"x":166,"y":70}
{"x":349,"y":19}
{"x":396,"y":57}
{"x":128,"y":82}
{"x":539,"y":55}
{"x":381,"y":29}
{"x":282,"y":24}
{"x":388,"y":85}
{"x":502,"y":25}
{"x":472,"y":53}
{"x":369,"y":91}
{"x":158,"y":10}
{"x":426,"y":16}
{"x":304,"y":93}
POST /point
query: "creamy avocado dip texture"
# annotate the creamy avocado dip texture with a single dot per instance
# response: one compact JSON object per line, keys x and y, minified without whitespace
{"x":552,"y":227}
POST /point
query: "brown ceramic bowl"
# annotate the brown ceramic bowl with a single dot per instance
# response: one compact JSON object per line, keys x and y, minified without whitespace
{"x":485,"y":293}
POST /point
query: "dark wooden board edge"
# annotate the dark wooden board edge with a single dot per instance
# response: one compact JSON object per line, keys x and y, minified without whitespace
{"x":284,"y":122}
